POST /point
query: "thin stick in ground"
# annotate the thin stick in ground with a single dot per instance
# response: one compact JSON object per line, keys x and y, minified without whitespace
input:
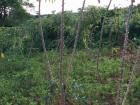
{"x":47,"y":62}
{"x":100,"y":41}
{"x":62,"y":81}
{"x":125,"y":45}
{"x":131,"y":77}
{"x":76,"y":37}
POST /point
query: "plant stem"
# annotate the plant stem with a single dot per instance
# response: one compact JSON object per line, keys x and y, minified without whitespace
{"x":62,"y":81}
{"x":100,"y":41}
{"x":125,"y":45}
{"x":131,"y":77}
{"x":47,"y":62}
{"x":77,"y":36}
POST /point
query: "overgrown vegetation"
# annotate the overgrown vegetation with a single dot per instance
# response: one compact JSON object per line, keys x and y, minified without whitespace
{"x":31,"y":50}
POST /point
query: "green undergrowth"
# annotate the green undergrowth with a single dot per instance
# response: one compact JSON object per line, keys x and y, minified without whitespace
{"x":23,"y":80}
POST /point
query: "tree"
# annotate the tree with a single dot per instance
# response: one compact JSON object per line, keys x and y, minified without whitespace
{"x":11,"y":10}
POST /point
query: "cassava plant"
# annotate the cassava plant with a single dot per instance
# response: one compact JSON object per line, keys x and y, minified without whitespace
{"x":62,"y":80}
{"x":47,"y":62}
{"x":124,"y":52}
{"x":76,"y":36}
{"x":101,"y":38}
{"x":131,"y":79}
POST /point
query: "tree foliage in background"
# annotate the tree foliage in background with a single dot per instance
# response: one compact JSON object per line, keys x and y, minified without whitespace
{"x":89,"y":34}
{"x":12,"y":12}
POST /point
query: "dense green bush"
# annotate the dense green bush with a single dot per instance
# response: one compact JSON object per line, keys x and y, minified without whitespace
{"x":28,"y":35}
